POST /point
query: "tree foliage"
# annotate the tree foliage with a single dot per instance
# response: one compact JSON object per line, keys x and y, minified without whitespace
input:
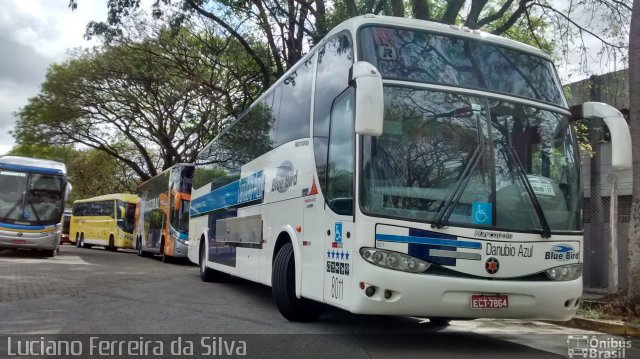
{"x":148,"y":103}
{"x":288,"y":27}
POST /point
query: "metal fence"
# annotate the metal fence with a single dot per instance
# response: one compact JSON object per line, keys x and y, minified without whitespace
{"x":605,"y":237}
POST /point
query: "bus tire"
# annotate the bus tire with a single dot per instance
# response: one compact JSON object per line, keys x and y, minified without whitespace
{"x":112,"y":246}
{"x":284,"y":289}
{"x":162,"y":246}
{"x":139,"y":246}
{"x":77,"y":240}
{"x":141,"y":252}
{"x":207,"y":274}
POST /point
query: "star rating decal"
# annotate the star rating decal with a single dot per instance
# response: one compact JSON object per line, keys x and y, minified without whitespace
{"x":338,"y":254}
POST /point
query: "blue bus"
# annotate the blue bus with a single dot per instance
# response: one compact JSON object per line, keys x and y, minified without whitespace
{"x":32,"y":197}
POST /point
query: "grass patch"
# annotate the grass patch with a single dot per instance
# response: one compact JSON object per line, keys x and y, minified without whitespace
{"x":611,"y":307}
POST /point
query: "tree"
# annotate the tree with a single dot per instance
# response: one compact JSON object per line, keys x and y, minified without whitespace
{"x":287,"y":27}
{"x":149,"y":104}
{"x":633,"y":290}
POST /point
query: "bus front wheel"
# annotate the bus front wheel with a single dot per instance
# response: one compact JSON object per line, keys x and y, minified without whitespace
{"x":284,"y":290}
{"x":112,"y":245}
{"x":141,"y":252}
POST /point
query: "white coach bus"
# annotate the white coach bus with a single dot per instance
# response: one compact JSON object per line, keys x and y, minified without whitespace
{"x":403,"y":167}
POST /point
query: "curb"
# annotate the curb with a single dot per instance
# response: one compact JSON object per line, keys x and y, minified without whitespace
{"x":601,"y":326}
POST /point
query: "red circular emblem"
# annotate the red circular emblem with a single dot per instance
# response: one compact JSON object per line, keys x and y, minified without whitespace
{"x":492,"y":265}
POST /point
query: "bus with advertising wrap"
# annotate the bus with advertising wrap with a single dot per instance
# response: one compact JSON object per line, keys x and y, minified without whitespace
{"x":403,"y":167}
{"x":104,"y":221}
{"x":32,"y":197}
{"x":163,"y":220}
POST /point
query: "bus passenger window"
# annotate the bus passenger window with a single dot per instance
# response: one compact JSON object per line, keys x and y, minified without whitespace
{"x":341,"y":155}
{"x":295,"y":104}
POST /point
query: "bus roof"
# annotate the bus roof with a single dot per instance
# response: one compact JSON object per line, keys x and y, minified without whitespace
{"x":355,"y":23}
{"x":125,"y":197}
{"x":32,"y":165}
{"x":168,"y":169}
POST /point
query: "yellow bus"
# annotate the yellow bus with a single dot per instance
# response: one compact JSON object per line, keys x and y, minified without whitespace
{"x":104,"y":220}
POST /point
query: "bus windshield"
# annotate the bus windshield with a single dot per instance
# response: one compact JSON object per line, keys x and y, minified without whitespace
{"x":127,"y":221}
{"x":180,"y":218}
{"x":30,"y":198}
{"x":468,"y":160}
{"x":457,"y":61}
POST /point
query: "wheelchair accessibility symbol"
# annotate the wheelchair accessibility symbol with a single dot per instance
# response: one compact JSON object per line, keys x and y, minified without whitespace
{"x":482,"y":213}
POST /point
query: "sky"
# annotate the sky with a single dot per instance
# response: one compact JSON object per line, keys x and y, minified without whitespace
{"x":33,"y":35}
{"x":37,"y":33}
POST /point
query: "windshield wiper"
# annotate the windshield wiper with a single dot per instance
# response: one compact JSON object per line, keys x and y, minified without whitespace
{"x":454,"y":198}
{"x":546,"y":230}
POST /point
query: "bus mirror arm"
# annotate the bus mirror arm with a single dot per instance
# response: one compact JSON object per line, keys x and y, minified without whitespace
{"x":369,"y":99}
{"x":617,"y":125}
{"x":67,"y":192}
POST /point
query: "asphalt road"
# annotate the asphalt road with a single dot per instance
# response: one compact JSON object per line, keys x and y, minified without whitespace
{"x":120,"y":296}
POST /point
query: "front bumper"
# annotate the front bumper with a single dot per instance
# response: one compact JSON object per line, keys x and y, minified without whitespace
{"x":180,"y":249}
{"x":124,"y":242}
{"x":37,"y":240}
{"x":446,"y":296}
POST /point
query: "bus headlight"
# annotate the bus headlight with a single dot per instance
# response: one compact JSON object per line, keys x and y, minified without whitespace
{"x":394,"y":260}
{"x":565,"y":272}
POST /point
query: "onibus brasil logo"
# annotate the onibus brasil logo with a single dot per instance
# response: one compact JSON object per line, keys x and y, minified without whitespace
{"x":583,"y":346}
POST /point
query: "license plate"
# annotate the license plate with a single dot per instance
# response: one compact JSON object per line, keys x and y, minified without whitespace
{"x":499,"y":301}
{"x":18,"y":241}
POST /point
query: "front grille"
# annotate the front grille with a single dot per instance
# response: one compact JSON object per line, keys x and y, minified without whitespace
{"x":435,"y":269}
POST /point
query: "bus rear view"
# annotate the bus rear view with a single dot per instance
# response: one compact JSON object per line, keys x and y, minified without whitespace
{"x":32,"y":196}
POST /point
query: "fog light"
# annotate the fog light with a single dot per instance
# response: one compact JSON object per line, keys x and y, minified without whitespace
{"x":370,"y":291}
{"x":387,"y":294}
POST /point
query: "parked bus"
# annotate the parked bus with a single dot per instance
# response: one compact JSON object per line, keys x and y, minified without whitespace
{"x":163,"y":220}
{"x":106,"y":221}
{"x":66,"y":223}
{"x":32,"y":196}
{"x":403,"y":167}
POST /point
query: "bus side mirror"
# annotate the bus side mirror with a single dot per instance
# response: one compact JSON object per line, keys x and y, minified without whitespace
{"x":618,"y":127}
{"x":369,"y":99}
{"x":67,"y":192}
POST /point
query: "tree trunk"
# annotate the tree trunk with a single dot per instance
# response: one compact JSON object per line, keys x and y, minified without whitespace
{"x":421,"y":9}
{"x":634,"y":107}
{"x":397,"y":8}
